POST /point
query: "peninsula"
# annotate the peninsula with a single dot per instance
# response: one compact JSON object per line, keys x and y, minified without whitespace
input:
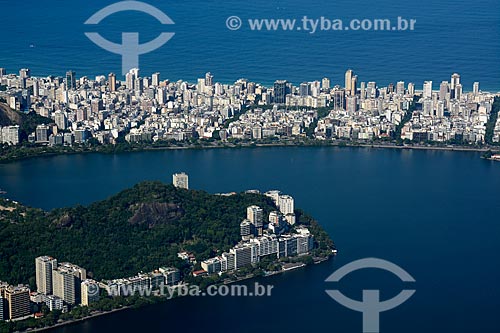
{"x":73,"y":263}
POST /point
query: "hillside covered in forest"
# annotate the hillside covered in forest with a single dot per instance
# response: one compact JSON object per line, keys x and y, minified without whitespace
{"x":139,"y":229}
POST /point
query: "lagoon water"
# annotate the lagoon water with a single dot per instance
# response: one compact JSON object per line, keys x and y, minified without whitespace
{"x":434,"y":213}
{"x":450,"y":36}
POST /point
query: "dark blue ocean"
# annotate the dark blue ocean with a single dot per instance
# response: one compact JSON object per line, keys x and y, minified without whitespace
{"x":450,"y":36}
{"x":434,"y":213}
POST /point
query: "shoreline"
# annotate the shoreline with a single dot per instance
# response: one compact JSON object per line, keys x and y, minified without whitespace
{"x":245,"y":278}
{"x":258,"y":145}
{"x":76,"y":321}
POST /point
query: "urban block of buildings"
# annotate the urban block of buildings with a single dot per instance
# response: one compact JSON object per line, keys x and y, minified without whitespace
{"x":150,"y":109}
{"x":261,"y":237}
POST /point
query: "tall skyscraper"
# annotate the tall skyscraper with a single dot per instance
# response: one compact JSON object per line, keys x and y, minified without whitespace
{"x":475,"y":88}
{"x":304,"y":89}
{"x":25,"y":73}
{"x":348,"y":80}
{"x":112,"y":82}
{"x":130,"y":80}
{"x":70,"y":80}
{"x":455,"y":80}
{"x":43,"y":269}
{"x":458,"y":91}
{"x":209,"y":79}
{"x":411,"y":89}
{"x":36,"y":88}
{"x":351,"y":106}
{"x":280,"y":91}
{"x":138,"y":85}
{"x":66,"y":281}
{"x":3,"y":72}
{"x":181,"y":180}
{"x":325,"y":83}
{"x":354,"y":85}
{"x":427,"y":89}
{"x":363,"y":90}
{"x":286,"y":204}
{"x":255,"y":215}
{"x":444,"y":89}
{"x":155,"y":79}
{"x":400,"y":88}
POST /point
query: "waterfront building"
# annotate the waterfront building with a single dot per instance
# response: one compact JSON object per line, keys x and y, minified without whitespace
{"x":286,"y":204}
{"x":42,"y":134}
{"x":427,"y":89}
{"x":66,"y":280}
{"x":181,"y":180}
{"x":400,"y":88}
{"x":10,"y":134}
{"x":325,"y":83}
{"x":89,"y":292}
{"x":17,"y":302}
{"x":475,"y":88}
{"x":212,"y":265}
{"x":244,"y":254}
{"x":155,"y":79}
{"x":172,"y":275}
{"x":2,"y":317}
{"x":44,"y":266}
{"x":54,"y":302}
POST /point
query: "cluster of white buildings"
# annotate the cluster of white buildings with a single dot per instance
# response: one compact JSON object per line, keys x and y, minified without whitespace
{"x":450,"y":114}
{"x":9,"y":135}
{"x":151,"y":109}
{"x":164,"y":276}
{"x":262,"y":238}
{"x":142,"y":108}
{"x":278,"y":122}
{"x":370,"y":112}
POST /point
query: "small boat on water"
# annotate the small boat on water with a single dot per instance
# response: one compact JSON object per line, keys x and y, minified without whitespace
{"x":2,"y":192}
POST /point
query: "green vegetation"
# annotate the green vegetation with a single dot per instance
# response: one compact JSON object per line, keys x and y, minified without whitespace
{"x":139,"y":229}
{"x":490,"y":126}
{"x":321,"y":113}
{"x":406,"y":118}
